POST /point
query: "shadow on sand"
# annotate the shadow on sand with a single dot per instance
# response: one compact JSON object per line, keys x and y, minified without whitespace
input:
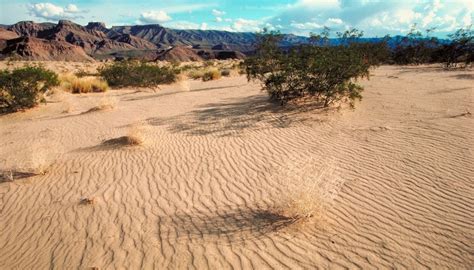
{"x":9,"y":176}
{"x":231,"y":117}
{"x":234,"y":225}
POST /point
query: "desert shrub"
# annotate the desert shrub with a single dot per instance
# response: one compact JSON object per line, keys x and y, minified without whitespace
{"x":24,"y":87}
{"x":325,"y":73}
{"x":415,"y":48}
{"x":132,"y":73}
{"x":461,"y":48}
{"x":82,"y":73}
{"x":196,"y":74}
{"x":76,"y":85}
{"x":211,"y":74}
{"x":225,"y":72}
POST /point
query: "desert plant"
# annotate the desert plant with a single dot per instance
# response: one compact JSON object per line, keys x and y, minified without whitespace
{"x":24,"y":87}
{"x":82,"y":73}
{"x":196,"y":74}
{"x":77,"y":85}
{"x":326,"y":73}
{"x":225,"y":72}
{"x":211,"y":74}
{"x":461,"y":48}
{"x":415,"y":48}
{"x":133,"y":73}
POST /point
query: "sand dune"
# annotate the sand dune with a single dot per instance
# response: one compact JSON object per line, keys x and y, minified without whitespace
{"x":392,"y":180}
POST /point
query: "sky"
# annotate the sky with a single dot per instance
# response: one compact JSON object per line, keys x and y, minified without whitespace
{"x":300,"y":17}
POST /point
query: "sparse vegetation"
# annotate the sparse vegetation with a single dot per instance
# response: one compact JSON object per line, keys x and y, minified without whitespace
{"x":24,"y":87}
{"x":324,"y":73}
{"x":76,"y":85}
{"x":133,"y":73}
{"x":104,"y":104}
{"x":196,"y":74}
{"x":211,"y":74}
{"x":416,"y":48}
{"x":134,"y":137}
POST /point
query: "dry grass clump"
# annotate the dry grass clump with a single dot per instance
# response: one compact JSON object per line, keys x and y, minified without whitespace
{"x":106,"y":103}
{"x":196,"y":74}
{"x":76,"y":85}
{"x":87,"y":201}
{"x":211,"y":74}
{"x":134,"y":137}
{"x":299,"y":207}
{"x":31,"y":160}
{"x":308,"y":189}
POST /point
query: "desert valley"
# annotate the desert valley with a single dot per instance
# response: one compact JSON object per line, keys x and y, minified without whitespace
{"x":392,"y":179}
{"x":146,"y":147}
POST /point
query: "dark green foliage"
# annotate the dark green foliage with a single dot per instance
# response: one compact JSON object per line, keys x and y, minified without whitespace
{"x":417,"y":49}
{"x":23,"y":88}
{"x":325,"y":73}
{"x":132,"y":73}
{"x":461,"y":49}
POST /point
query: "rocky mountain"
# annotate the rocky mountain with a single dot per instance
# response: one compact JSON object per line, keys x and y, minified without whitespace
{"x":31,"y":48}
{"x":179,"y":53}
{"x":6,"y":35}
{"x":149,"y":42}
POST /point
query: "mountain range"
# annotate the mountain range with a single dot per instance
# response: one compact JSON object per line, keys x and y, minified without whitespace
{"x":69,"y":41}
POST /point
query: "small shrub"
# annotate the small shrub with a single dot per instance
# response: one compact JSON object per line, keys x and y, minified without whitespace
{"x":196,"y":74}
{"x":77,"y":85}
{"x":212,"y":74}
{"x":24,"y":87}
{"x":82,"y":73}
{"x":131,"y":73}
{"x":225,"y":72}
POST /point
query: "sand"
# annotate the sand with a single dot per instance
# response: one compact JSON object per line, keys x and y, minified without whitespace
{"x":392,"y":180}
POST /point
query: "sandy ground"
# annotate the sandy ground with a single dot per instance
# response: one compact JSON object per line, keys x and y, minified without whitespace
{"x":393,"y":179}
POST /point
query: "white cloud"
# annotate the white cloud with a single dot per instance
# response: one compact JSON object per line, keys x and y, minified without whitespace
{"x":244,"y":25}
{"x":318,"y":4}
{"x":218,"y":13}
{"x":375,"y":16}
{"x":218,"y":19}
{"x":71,"y":8}
{"x":183,"y":25}
{"x":157,"y":16}
{"x":203,"y":26}
{"x":334,"y":21}
{"x":306,"y":26}
{"x":50,"y":11}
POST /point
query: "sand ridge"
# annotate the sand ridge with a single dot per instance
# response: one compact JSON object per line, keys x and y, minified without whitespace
{"x":393,"y":178}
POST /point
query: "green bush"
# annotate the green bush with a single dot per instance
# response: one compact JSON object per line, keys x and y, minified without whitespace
{"x":24,"y":87}
{"x":325,"y":73}
{"x":131,"y":73}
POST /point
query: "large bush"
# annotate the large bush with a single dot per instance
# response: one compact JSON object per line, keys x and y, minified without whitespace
{"x":326,"y":73}
{"x":132,"y":73}
{"x":24,"y":87}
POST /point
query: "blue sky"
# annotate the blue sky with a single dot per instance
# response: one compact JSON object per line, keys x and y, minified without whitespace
{"x":300,"y":17}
